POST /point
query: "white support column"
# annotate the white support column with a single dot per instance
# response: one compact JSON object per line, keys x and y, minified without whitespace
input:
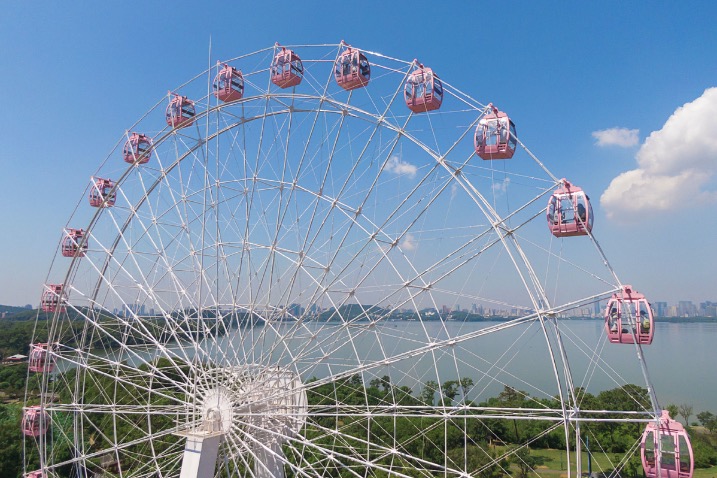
{"x":268,"y":462}
{"x":202,"y":448}
{"x":200,"y":455}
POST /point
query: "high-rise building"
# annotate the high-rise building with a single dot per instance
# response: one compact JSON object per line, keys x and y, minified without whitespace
{"x":660,"y":309}
{"x":295,"y":310}
{"x":685,"y":308}
{"x":708,"y":309}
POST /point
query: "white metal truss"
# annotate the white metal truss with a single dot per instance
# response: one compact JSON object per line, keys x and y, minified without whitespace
{"x":236,"y":311}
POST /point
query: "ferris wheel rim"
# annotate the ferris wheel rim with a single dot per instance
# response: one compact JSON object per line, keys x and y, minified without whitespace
{"x":566,"y":415}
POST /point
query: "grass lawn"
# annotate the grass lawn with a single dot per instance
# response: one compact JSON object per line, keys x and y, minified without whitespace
{"x":555,"y":463}
{"x":706,"y":472}
{"x":556,"y":460}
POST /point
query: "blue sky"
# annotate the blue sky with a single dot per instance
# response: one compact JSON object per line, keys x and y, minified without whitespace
{"x":75,"y":76}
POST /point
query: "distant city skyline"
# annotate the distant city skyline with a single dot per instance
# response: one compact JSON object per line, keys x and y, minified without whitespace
{"x":684,"y":308}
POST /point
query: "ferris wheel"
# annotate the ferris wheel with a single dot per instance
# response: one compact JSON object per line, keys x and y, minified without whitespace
{"x":318,"y":260}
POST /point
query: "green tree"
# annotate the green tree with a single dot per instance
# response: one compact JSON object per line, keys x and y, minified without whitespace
{"x":478,"y":461}
{"x":633,"y":466}
{"x":510,"y":396}
{"x":525,"y":462}
{"x":705,"y":454}
{"x":429,"y":392}
{"x":12,"y":378}
{"x":466,"y":385}
{"x":686,"y":411}
{"x":386,"y":383}
{"x":11,"y":449}
{"x":450,"y":390}
{"x":708,"y":420}
{"x":616,"y":437}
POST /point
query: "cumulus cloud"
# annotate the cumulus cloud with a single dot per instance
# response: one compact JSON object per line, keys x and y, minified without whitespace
{"x":398,"y":166}
{"x":409,"y":243}
{"x":676,"y":165}
{"x":622,"y":137}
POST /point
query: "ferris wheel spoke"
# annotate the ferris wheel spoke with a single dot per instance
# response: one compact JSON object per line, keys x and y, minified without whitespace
{"x":597,"y":362}
{"x":359,"y":458}
{"x":357,"y":162}
{"x":440,"y":264}
{"x":281,"y":214}
{"x":351,"y":222}
{"x":391,"y":243}
{"x":572,"y":264}
{"x":160,"y":258}
{"x":351,"y":456}
{"x":97,"y":366}
{"x":126,"y":448}
{"x":125,"y":410}
{"x":536,"y":294}
{"x":423,"y":348}
{"x":283,"y":271}
{"x":178,"y":286}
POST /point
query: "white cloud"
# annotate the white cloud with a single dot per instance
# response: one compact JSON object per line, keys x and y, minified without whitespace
{"x":409,"y":243}
{"x":676,"y":165}
{"x":622,"y":137}
{"x":397,"y":166}
{"x":502,"y":186}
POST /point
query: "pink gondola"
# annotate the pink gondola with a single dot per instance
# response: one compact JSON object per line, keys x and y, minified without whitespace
{"x":229,"y":84}
{"x":36,"y":474}
{"x":40,"y":358}
{"x":180,"y":112}
{"x":675,"y":450}
{"x":35,"y":422}
{"x":101,"y":194}
{"x":495,"y":136}
{"x":352,"y":70}
{"x":569,"y":212}
{"x":137,"y":149}
{"x":74,"y":243}
{"x":53,"y":298}
{"x":628,"y":316}
{"x":286,"y":69}
{"x":423,"y":90}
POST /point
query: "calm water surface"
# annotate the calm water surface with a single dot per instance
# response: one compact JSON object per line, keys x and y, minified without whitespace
{"x":680,"y":360}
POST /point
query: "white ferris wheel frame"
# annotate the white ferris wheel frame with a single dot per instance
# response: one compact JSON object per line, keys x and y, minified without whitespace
{"x":204,"y":437}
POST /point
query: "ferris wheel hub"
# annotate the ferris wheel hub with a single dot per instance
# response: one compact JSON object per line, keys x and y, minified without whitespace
{"x":216,"y":410}
{"x":267,"y":405}
{"x":261,"y":401}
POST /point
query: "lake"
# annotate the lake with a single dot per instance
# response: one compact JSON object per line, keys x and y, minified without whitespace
{"x":679,"y":360}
